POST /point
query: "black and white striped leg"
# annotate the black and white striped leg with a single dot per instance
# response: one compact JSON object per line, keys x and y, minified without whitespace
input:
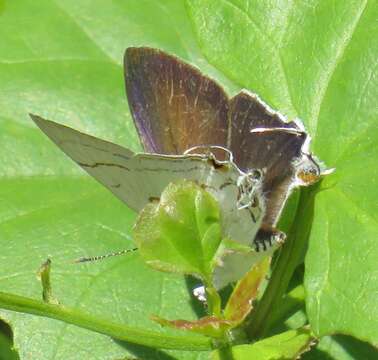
{"x":267,"y":237}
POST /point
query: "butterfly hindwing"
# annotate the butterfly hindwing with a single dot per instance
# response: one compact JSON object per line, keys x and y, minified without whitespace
{"x":275,"y":152}
{"x":137,"y":178}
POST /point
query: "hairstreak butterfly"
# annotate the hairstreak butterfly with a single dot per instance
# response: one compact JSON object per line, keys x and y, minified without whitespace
{"x":244,"y":153}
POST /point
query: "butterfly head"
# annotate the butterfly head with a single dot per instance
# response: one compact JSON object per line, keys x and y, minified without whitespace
{"x":310,"y":170}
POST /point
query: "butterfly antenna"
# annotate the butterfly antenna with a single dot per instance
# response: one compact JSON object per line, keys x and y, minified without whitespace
{"x":101,"y":257}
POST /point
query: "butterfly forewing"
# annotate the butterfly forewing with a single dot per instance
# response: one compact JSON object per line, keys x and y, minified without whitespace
{"x":174,"y":106}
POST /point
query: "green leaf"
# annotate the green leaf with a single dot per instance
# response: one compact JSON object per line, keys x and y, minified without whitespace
{"x":341,"y":278}
{"x":63,"y":59}
{"x":288,"y":345}
{"x":182,"y":232}
{"x":317,"y":61}
{"x":341,"y":347}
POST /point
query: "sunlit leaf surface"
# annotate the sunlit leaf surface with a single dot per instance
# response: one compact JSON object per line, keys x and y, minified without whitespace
{"x":317,"y":61}
{"x":62,"y":59}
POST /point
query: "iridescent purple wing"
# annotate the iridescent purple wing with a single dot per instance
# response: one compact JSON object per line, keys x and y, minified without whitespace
{"x":275,"y":152}
{"x":174,"y":106}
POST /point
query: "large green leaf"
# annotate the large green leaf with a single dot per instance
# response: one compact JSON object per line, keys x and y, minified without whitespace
{"x":317,"y":60}
{"x":341,"y":347}
{"x":342,"y":265}
{"x":62,"y":59}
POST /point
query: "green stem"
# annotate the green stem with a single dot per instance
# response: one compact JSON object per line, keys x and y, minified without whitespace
{"x":291,"y":302}
{"x":291,"y":255}
{"x":117,"y":331}
{"x":213,"y":301}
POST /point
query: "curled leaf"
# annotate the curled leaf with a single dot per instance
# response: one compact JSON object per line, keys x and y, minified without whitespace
{"x":240,"y":303}
{"x":209,"y":325}
{"x":44,"y":275}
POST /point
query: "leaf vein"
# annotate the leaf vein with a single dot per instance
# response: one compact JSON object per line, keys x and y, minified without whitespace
{"x":275,"y":49}
{"x":325,"y":80}
{"x":88,"y":35}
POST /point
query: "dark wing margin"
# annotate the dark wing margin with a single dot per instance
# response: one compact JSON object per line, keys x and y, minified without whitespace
{"x":275,"y":152}
{"x":173,"y":105}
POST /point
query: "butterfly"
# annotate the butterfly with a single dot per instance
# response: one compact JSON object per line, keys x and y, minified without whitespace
{"x":247,"y":155}
{"x":175,"y":107}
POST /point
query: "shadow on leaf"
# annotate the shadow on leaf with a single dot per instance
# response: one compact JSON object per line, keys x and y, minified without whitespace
{"x":144,"y":352}
{"x":198,"y":308}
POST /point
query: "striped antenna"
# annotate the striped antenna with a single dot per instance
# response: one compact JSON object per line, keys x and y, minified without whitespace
{"x":101,"y":257}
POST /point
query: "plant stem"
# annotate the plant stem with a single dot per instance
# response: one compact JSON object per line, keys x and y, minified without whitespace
{"x":213,"y":301}
{"x":291,"y":255}
{"x":291,"y":302}
{"x":117,"y":331}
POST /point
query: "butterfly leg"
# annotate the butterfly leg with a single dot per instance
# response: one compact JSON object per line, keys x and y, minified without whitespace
{"x":267,"y":237}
